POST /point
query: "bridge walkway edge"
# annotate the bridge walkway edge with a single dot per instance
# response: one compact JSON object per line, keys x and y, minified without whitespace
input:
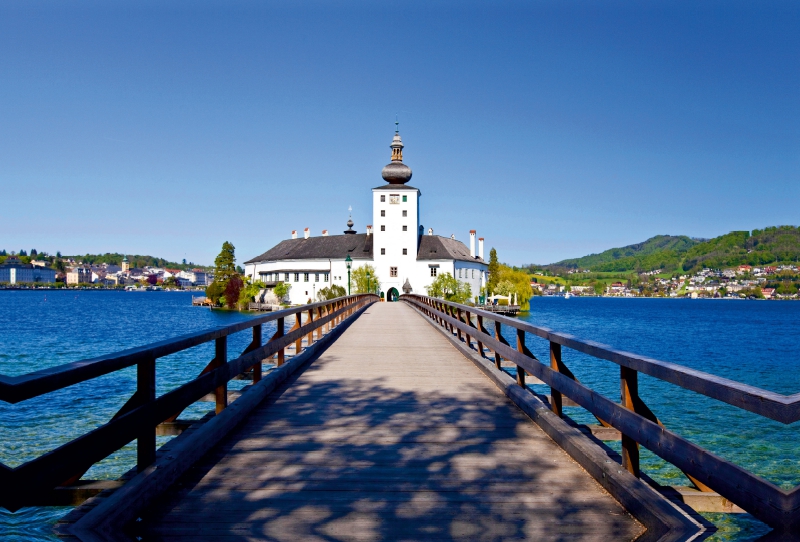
{"x":665,"y":520}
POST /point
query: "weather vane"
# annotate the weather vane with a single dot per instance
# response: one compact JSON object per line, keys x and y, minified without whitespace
{"x":396,"y":124}
{"x":350,"y":210}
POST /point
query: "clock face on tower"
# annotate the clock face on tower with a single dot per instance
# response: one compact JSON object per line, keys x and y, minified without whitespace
{"x":394,"y":198}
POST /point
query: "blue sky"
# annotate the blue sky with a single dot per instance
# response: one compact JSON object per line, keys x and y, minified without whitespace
{"x":554,"y":128}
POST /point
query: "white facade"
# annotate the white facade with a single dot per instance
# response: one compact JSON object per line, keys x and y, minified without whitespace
{"x":394,"y":244}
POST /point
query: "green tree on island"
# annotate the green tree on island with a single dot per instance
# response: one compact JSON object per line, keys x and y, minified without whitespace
{"x":446,"y":286}
{"x":359,"y":284}
{"x":224,"y":272}
{"x":331,"y":292}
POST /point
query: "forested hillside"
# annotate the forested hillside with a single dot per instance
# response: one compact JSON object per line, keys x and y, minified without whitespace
{"x":778,"y":244}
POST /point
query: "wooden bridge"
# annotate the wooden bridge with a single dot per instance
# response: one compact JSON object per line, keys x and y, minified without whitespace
{"x":396,"y":421}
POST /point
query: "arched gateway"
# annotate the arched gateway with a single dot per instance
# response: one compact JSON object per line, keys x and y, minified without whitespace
{"x":393,"y":295}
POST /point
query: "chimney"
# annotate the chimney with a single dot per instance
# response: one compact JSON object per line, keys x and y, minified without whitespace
{"x":430,"y":231}
{"x":306,"y":234}
{"x":369,"y":229}
{"x":324,"y":233}
{"x":294,"y":234}
{"x":472,"y":243}
{"x":480,"y":247}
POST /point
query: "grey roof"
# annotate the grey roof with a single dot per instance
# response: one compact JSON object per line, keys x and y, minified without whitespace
{"x":333,"y":247}
{"x":436,"y":247}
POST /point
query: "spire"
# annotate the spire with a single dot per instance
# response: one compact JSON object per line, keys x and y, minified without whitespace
{"x":397,"y":147}
{"x":396,"y":172}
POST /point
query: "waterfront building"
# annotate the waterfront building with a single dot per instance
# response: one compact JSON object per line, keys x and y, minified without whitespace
{"x":13,"y":271}
{"x":80,"y":275}
{"x":405,"y":256}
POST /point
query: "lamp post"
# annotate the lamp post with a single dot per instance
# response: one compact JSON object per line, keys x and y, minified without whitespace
{"x":348,"y":262}
{"x":369,"y":289}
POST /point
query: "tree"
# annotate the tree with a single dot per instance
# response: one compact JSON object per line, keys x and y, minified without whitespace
{"x":282,"y":290}
{"x":446,"y":286}
{"x":171,"y":282}
{"x":33,"y":252}
{"x":214,"y":292}
{"x":233,"y":289}
{"x":359,"y":283}
{"x":513,"y":282}
{"x":250,"y":291}
{"x":225,"y":263}
{"x":494,"y":268}
{"x":331,"y":292}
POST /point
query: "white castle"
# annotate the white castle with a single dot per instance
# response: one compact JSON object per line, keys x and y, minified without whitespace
{"x":404,"y":256}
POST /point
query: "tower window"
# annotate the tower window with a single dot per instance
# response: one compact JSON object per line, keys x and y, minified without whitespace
{"x":405,"y":228}
{"x":392,"y":271}
{"x":405,"y":199}
{"x":405,"y":213}
{"x":297,"y":277}
{"x":383,"y":198}
{"x":433,"y":271}
{"x":383,"y":252}
{"x":405,"y":252}
{"x":383,"y":212}
{"x":383,"y":228}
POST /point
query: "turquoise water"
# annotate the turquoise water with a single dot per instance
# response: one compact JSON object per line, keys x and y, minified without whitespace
{"x":749,"y":341}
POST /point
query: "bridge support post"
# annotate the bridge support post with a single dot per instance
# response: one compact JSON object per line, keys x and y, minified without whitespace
{"x":220,"y":359}
{"x":522,"y":350}
{"x":555,"y":365}
{"x":279,"y":332}
{"x":482,"y":330}
{"x":498,"y":334}
{"x":629,"y":388}
{"x":257,"y":344}
{"x":146,"y":389}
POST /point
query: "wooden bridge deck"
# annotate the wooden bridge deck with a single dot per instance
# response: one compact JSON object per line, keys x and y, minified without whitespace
{"x":392,"y":434}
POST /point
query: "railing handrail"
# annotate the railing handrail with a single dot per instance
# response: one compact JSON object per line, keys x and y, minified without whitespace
{"x":769,"y":404}
{"x":636,"y":423}
{"x":15,"y":389}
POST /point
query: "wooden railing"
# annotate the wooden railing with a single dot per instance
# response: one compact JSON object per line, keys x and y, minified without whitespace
{"x":33,"y":482}
{"x":636,"y":422}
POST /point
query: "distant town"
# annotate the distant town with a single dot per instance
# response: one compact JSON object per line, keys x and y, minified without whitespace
{"x":740,"y":282}
{"x":23,"y":271}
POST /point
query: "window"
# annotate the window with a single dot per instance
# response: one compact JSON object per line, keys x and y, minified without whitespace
{"x":326,"y":277}
{"x":305,"y":277}
{"x":394,"y":198}
{"x":433,"y":271}
{"x":405,"y":252}
{"x":383,"y":212}
{"x":316,"y":277}
{"x":383,"y":199}
{"x":473,"y":273}
{"x":286,"y":277}
{"x":405,"y":213}
{"x":405,"y":199}
{"x":459,"y":273}
{"x":383,"y":252}
{"x":383,"y":228}
{"x":392,"y":271}
{"x":405,"y":228}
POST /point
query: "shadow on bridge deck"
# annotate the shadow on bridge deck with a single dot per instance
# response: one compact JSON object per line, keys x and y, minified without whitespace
{"x":390,"y":435}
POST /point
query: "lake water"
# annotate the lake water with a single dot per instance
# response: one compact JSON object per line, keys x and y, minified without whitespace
{"x":749,"y":341}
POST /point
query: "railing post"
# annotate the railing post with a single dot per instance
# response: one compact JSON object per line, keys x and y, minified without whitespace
{"x":497,"y":334}
{"x":481,"y":329}
{"x":521,"y":350}
{"x":310,"y":336}
{"x":278,"y":334}
{"x":220,"y":359}
{"x":257,"y":344}
{"x":146,"y":388}
{"x":555,"y":365}
{"x":458,"y":329}
{"x":468,"y":318}
{"x":298,"y":322}
{"x":629,"y":388}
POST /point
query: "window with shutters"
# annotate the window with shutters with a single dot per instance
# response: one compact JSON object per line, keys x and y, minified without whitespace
{"x":392,"y":271}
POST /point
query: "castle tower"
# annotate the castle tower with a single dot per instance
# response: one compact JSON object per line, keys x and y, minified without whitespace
{"x":395,"y":219}
{"x":125,"y":265}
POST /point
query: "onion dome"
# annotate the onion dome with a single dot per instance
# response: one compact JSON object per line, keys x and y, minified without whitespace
{"x":396,"y":172}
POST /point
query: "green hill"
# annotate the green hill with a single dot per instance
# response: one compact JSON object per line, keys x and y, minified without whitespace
{"x":777,"y":244}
